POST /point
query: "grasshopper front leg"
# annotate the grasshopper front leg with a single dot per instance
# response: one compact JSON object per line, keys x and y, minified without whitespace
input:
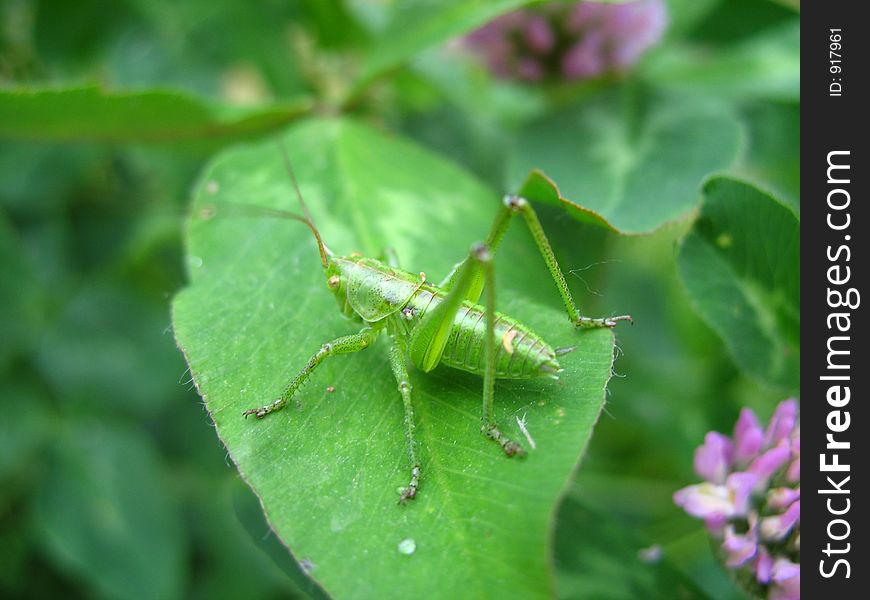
{"x":343,"y":345}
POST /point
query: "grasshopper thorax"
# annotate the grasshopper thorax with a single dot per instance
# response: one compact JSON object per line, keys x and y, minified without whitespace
{"x":368,"y":288}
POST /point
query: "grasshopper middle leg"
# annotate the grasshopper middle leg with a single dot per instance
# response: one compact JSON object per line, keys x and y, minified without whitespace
{"x":343,"y":345}
{"x":398,"y":360}
{"x":429,"y":337}
{"x":483,"y":256}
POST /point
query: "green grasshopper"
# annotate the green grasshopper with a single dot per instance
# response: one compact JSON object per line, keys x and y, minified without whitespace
{"x":430,"y":324}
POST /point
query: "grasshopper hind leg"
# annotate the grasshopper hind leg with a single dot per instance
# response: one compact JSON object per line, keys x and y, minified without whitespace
{"x":513,"y":205}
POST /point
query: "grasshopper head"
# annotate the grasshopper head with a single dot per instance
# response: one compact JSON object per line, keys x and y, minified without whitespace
{"x":333,"y":277}
{"x":337,"y":285}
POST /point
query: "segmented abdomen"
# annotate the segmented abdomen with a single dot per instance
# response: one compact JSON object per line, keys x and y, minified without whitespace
{"x":520,"y":352}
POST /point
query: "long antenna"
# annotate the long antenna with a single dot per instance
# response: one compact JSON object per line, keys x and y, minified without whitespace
{"x":239,"y":209}
{"x":308,"y":221}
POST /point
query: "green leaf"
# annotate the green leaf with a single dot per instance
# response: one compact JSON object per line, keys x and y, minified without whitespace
{"x":773,"y":160}
{"x":233,"y":558}
{"x":107,"y":516}
{"x":248,"y":516}
{"x":793,"y":4}
{"x":627,"y":160}
{"x":694,"y":555}
{"x":599,"y":557}
{"x":419,"y":24}
{"x":766,"y":65}
{"x":683,"y":15}
{"x":737,"y":20}
{"x":21,"y":296}
{"x":328,"y":474}
{"x":90,"y":113}
{"x":24,"y":435}
{"x":96,"y":355}
{"x":741,"y":266}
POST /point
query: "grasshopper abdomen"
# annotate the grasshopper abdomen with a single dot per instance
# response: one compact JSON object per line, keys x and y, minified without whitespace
{"x":521,"y":353}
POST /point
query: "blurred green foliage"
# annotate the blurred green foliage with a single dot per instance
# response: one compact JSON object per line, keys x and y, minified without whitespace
{"x":112,"y":481}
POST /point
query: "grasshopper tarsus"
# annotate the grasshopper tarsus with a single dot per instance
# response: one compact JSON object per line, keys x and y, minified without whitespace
{"x":257,"y":412}
{"x":513,"y":449}
{"x":510,"y":447}
{"x":410,"y":492}
{"x":609,"y":322}
{"x":615,"y":320}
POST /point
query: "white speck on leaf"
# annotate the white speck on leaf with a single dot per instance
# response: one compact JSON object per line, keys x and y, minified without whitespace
{"x":524,"y":429}
{"x":407,"y":546}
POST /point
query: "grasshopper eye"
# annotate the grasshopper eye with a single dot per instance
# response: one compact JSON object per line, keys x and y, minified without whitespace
{"x":333,"y":282}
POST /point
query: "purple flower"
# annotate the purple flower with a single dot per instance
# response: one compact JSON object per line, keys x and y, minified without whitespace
{"x":786,"y":577}
{"x":706,"y":501}
{"x":539,"y":35}
{"x":771,"y":461}
{"x":741,"y":485}
{"x":748,"y":437}
{"x":777,"y":527}
{"x":782,"y":422}
{"x":717,"y":504}
{"x":583,"y":59}
{"x":713,"y":459}
{"x":739,"y":548}
{"x":793,"y":475}
{"x":583,"y":15}
{"x":530,"y":69}
{"x":569,"y":41}
{"x":763,"y":566}
{"x":750,"y":499}
{"x":780,"y":498}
